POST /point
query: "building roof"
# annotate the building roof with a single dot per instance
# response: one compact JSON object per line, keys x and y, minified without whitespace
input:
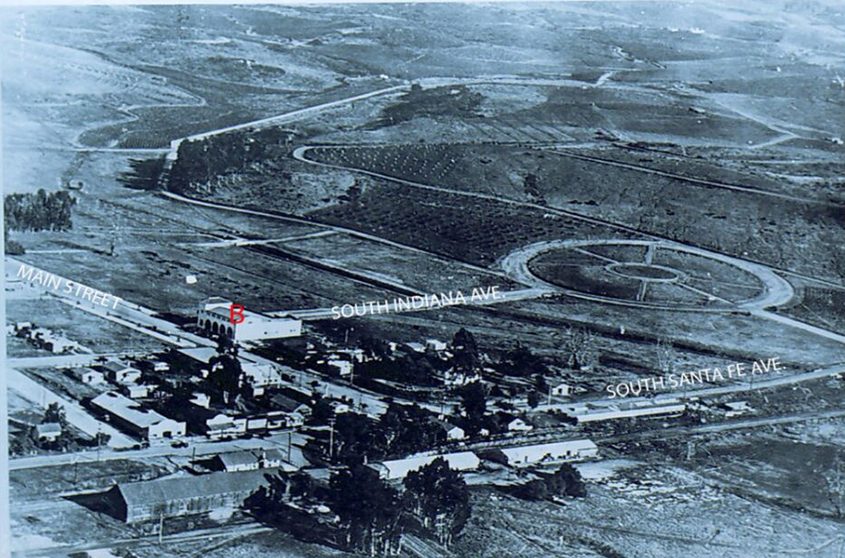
{"x":163,"y":490}
{"x":537,"y":452}
{"x":447,"y":426}
{"x":201,"y":354}
{"x":116,"y":366}
{"x":285,"y":403}
{"x":127,"y":409}
{"x":81,"y":372}
{"x":48,"y":428}
{"x":236,"y":458}
{"x":399,"y":468}
{"x":248,"y":457}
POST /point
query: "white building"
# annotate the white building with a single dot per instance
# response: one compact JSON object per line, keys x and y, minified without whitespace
{"x":88,"y":376}
{"x":48,"y":431}
{"x":592,"y":412}
{"x":137,"y":391}
{"x":737,"y":408}
{"x":250,"y":460}
{"x":453,"y":432}
{"x":260,"y":376}
{"x":214,"y":317}
{"x":121,"y":373}
{"x":399,"y":468}
{"x":223,"y":425}
{"x":519,"y":425}
{"x":558,"y":452}
{"x":435,"y":345}
{"x":134,"y":417}
{"x":561,"y":389}
{"x":343,"y":366}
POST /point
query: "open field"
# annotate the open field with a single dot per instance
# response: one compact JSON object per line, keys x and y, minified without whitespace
{"x":97,"y":335}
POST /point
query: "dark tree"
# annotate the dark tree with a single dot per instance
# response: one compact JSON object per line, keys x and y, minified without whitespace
{"x":406,"y":429}
{"x":55,"y":413}
{"x":536,"y":489}
{"x":465,"y":352}
{"x":39,"y":211}
{"x":374,"y":348}
{"x":225,"y":377}
{"x":474,"y":404}
{"x":322,"y":411}
{"x":567,"y":481}
{"x":357,"y":438}
{"x":520,"y":361}
{"x":439,"y":497}
{"x":370,"y":510}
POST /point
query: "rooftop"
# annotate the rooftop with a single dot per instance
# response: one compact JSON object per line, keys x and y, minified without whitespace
{"x":127,"y":409}
{"x":539,"y":451}
{"x":168,"y":489}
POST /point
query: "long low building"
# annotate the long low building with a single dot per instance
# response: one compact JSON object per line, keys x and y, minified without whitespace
{"x":133,"y":417}
{"x":184,"y":495}
{"x":399,"y":468}
{"x":634,"y":409}
{"x":556,"y":452}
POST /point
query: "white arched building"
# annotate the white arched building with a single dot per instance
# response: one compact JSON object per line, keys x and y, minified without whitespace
{"x":214,"y":317}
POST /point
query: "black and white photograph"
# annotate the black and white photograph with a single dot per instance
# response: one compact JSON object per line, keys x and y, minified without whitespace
{"x":423,"y":279}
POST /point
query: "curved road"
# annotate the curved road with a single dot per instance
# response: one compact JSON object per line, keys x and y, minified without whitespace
{"x":776,"y":291}
{"x":779,"y":288}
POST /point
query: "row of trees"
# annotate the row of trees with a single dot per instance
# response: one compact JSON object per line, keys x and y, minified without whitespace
{"x":401,"y":430}
{"x":372,"y":515}
{"x":566,"y":481}
{"x":39,"y":211}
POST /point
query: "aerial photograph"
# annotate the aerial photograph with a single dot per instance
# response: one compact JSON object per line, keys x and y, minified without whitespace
{"x":453,"y":279}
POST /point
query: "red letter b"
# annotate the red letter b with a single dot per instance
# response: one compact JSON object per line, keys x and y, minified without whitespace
{"x":236,"y":313}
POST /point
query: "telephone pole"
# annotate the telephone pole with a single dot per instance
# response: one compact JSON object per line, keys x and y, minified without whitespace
{"x":331,"y":438}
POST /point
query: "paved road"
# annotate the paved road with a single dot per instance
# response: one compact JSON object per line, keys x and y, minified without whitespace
{"x":776,"y":291}
{"x":502,"y":297}
{"x":758,"y":383}
{"x":65,"y":361}
{"x":791,"y":322}
{"x":196,"y":446}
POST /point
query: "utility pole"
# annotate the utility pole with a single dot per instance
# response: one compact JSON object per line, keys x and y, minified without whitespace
{"x":331,"y":438}
{"x":160,"y":527}
{"x":290,"y":436}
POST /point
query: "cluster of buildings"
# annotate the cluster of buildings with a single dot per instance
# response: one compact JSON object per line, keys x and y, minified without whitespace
{"x":243,"y":473}
{"x":43,"y":338}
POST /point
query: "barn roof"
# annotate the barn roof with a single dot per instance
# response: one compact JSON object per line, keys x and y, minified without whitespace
{"x":538,"y":452}
{"x":169,"y":489}
{"x":399,"y":468}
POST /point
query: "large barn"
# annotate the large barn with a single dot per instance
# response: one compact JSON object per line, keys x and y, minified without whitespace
{"x":180,"y":496}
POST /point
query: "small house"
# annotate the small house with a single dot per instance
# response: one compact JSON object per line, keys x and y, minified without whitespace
{"x":49,"y":431}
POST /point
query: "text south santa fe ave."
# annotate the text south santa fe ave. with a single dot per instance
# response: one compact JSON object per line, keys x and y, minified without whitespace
{"x":50,"y":281}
